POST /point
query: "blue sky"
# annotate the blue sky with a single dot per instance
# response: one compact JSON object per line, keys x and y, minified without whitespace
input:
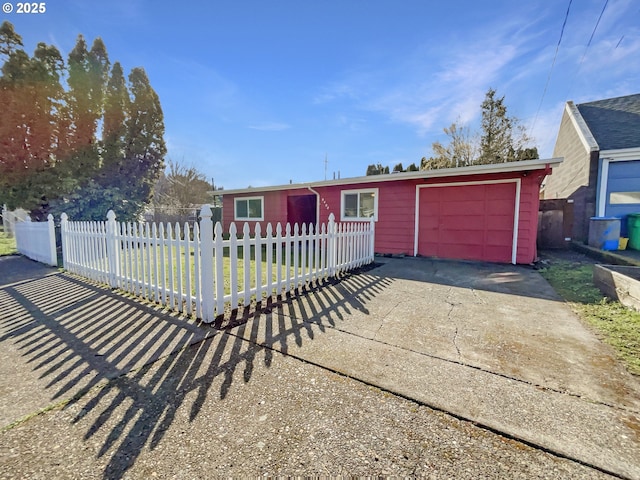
{"x":260,"y":92}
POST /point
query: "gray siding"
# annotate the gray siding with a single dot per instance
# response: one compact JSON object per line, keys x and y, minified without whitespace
{"x":576,"y":177}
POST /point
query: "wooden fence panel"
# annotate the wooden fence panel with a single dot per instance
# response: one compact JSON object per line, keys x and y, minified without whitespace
{"x":555,"y":223}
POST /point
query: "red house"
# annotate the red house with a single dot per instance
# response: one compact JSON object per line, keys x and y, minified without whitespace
{"x":483,"y":212}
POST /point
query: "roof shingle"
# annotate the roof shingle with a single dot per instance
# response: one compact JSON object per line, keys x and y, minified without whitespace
{"x":614,"y":122}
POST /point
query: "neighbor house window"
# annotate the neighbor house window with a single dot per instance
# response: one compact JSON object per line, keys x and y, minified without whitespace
{"x":624,"y":198}
{"x":249,"y":208}
{"x":359,"y":204}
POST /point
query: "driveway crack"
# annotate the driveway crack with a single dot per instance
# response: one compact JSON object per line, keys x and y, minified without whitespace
{"x":375,"y":336}
{"x":455,"y":343}
{"x":451,"y":318}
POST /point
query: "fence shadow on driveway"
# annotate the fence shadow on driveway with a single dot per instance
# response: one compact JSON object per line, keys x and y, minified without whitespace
{"x":130,"y":368}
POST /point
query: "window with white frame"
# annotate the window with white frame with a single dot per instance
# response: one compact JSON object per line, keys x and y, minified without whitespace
{"x":249,"y":208}
{"x":359,"y":205}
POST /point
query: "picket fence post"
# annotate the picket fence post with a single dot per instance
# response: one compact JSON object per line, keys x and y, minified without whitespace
{"x":332,"y":245}
{"x":64,"y":225}
{"x":52,"y":240}
{"x":6,"y":221}
{"x":372,"y":238}
{"x":206,"y":262}
{"x":113,"y":249}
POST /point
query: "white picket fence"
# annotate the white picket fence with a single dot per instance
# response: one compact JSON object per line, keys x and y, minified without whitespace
{"x":198,"y":270}
{"x":11,"y":218}
{"x":36,"y":240}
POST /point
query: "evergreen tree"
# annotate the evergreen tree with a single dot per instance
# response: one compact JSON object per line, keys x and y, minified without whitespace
{"x":497,"y":128}
{"x":13,"y":127}
{"x":145,"y":147}
{"x":31,"y":95}
{"x":87,"y":81}
{"x":52,"y":157}
{"x":114,"y":127}
{"x":502,"y":139}
{"x":413,"y":168}
{"x":378,"y":169}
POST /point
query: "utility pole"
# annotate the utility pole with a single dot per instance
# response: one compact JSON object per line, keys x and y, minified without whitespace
{"x":325,"y":166}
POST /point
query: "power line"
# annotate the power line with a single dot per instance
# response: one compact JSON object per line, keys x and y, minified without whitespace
{"x":555,"y":56}
{"x":588,"y":45}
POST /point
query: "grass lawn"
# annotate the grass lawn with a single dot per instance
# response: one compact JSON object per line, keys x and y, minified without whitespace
{"x":571,"y":275}
{"x":7,"y":244}
{"x":171,"y":267}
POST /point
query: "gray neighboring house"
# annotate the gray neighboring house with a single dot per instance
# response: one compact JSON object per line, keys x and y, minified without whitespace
{"x":600,"y":143}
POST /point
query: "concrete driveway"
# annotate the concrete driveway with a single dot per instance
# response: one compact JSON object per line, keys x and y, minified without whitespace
{"x":489,"y":343}
{"x":124,"y":388}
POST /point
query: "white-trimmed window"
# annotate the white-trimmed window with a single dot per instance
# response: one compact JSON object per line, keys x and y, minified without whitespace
{"x":249,"y":208}
{"x":359,"y":205}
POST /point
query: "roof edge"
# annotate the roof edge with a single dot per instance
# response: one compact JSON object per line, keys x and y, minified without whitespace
{"x":586,"y":137}
{"x":621,"y":153}
{"x":523,"y":165}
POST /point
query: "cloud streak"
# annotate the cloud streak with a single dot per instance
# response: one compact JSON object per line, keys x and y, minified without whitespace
{"x":431,"y":87}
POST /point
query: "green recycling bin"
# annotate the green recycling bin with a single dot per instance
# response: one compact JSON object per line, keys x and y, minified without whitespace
{"x":633,"y":227}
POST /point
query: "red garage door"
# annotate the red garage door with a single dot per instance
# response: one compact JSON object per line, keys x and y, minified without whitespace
{"x":472,"y":222}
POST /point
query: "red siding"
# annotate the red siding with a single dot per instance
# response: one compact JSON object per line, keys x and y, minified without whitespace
{"x":396,"y":209}
{"x":275,"y":208}
{"x":528,"y":221}
{"x":473,"y":222}
{"x":395,"y":228}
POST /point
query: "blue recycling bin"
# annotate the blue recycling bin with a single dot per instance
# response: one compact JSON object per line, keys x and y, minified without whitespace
{"x":604,"y":233}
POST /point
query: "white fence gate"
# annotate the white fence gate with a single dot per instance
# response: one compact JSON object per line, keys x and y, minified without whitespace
{"x":197,"y":270}
{"x":37,"y":240}
{"x":11,"y":218}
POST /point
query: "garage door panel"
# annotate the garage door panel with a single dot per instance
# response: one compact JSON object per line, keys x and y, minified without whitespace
{"x":502,"y":238}
{"x":464,"y":252}
{"x":501,"y":192}
{"x":473,"y":222}
{"x":455,"y":207}
{"x":460,"y":237}
{"x":495,"y":254}
{"x":627,"y":169}
{"x":501,"y":207}
{"x":623,"y":176}
{"x":623,"y":185}
{"x":466,"y":192}
{"x":464,"y":222}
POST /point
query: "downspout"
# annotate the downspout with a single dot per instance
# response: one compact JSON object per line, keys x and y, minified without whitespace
{"x":317,"y":205}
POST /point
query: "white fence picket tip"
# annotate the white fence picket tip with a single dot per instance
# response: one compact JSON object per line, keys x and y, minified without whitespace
{"x":196,"y":270}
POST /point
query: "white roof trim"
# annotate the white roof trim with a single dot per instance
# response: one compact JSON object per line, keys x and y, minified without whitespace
{"x":587,"y":139}
{"x":621,"y":154}
{"x":524,"y":165}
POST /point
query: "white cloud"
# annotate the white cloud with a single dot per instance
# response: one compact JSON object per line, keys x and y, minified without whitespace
{"x":429,"y":88}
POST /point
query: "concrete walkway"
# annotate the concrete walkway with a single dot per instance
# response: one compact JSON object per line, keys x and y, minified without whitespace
{"x":415,"y":368}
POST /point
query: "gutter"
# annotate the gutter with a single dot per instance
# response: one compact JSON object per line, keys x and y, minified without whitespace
{"x":317,"y":204}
